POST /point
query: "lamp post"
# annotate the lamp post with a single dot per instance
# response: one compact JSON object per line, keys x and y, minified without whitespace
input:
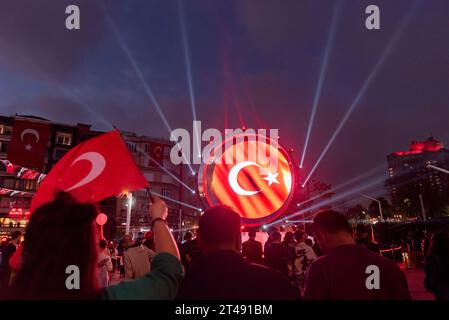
{"x":423,"y":210}
{"x":128,"y":212}
{"x":378,"y":202}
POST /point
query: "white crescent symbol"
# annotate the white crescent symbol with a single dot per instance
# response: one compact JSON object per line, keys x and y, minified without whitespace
{"x":30,"y":131}
{"x":232,"y":178}
{"x":98,"y":164}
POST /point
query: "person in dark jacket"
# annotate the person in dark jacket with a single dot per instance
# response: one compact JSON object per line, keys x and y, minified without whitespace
{"x":221,"y":273}
{"x":436,"y":267}
{"x":362,"y":236}
{"x":275,"y":255}
{"x":189,"y":251}
{"x":252,"y":249}
{"x":7,"y":253}
{"x":349,"y":271}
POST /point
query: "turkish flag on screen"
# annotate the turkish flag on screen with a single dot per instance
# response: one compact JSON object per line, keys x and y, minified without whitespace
{"x":94,"y":170}
{"x":28,"y":143}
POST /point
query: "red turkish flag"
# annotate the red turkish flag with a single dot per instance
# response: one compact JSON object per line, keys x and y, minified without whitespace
{"x":29,"y":143}
{"x":156,"y":152}
{"x":94,"y":170}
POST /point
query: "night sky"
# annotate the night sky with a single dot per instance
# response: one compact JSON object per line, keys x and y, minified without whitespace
{"x":252,"y":62}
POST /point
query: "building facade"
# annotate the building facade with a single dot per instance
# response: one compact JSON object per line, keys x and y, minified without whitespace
{"x":416,"y":188}
{"x":150,"y":154}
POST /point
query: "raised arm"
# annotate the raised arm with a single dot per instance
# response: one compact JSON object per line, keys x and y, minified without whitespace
{"x":163,"y":239}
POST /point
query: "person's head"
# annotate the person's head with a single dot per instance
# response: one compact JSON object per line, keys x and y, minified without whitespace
{"x":252,"y":234}
{"x":299,"y":236}
{"x":127,"y":240}
{"x":188,"y":236}
{"x":361,"y":232}
{"x":16,"y":236}
{"x":331,"y":229}
{"x":440,"y":245}
{"x":60,"y":234}
{"x":276,"y":237}
{"x":219,"y":229}
{"x":289,"y":237}
{"x":102,"y":244}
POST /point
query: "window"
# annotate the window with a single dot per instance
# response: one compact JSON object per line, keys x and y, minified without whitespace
{"x":166,"y":192}
{"x":9,"y":183}
{"x":3,"y":147}
{"x":59,"y":153}
{"x":131,"y":147}
{"x":6,"y":130}
{"x":149,"y":176}
{"x":30,"y":185}
{"x":390,"y":170}
{"x":64,"y":138}
{"x":147,"y":148}
{"x":166,"y":179}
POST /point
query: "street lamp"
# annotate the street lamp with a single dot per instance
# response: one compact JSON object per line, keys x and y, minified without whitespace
{"x":128,"y":212}
{"x":378,"y":202}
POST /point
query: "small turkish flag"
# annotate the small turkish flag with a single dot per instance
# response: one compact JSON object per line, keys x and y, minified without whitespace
{"x":94,"y":170}
{"x":156,"y":152}
{"x":29,"y":143}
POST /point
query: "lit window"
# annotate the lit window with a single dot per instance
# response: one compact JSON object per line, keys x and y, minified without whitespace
{"x":5,"y":129}
{"x":131,"y":147}
{"x":64,"y":138}
{"x":166,"y":192}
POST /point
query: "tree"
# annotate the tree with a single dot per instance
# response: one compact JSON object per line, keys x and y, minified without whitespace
{"x":357,"y":212}
{"x":387,"y":208}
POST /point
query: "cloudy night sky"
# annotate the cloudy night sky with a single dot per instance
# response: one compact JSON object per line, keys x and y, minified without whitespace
{"x":252,"y":62}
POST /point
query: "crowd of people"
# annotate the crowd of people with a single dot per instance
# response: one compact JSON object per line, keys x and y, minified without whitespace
{"x":328,"y":263}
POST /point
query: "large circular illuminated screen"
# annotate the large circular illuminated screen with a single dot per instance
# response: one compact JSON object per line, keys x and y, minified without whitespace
{"x":259,"y":188}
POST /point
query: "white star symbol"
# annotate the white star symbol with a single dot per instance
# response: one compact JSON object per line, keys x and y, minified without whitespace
{"x":271,"y":178}
{"x":28,"y":147}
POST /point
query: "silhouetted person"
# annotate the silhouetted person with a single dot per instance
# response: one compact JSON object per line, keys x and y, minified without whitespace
{"x":362,"y":236}
{"x":190,"y":251}
{"x":275,"y":255}
{"x":436,"y":267}
{"x":104,"y":264}
{"x":7,"y":253}
{"x":303,"y":257}
{"x":252,"y":249}
{"x":137,"y":258}
{"x":349,"y":271}
{"x":221,"y":273}
{"x":289,"y":244}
